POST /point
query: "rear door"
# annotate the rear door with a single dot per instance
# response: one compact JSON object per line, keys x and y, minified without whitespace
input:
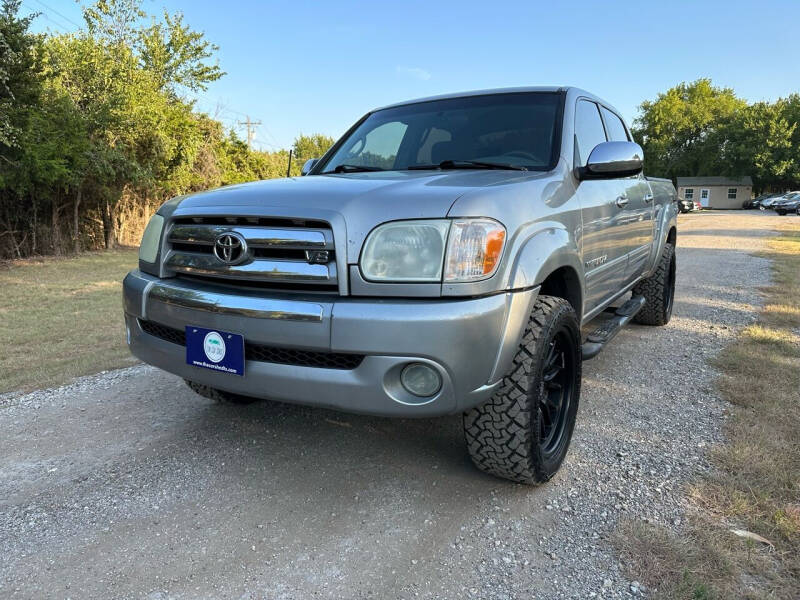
{"x":603,"y":241}
{"x":637,"y":216}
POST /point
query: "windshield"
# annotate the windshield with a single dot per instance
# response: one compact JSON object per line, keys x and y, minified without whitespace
{"x":516,"y":129}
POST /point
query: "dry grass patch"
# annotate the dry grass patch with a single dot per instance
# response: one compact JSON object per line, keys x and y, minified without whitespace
{"x":61,"y":318}
{"x":755,"y":484}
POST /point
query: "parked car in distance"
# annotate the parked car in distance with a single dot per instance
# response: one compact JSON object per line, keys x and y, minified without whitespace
{"x":685,"y":205}
{"x":756,"y":202}
{"x":440,"y":259}
{"x":770,"y":202}
{"x":788,"y":204}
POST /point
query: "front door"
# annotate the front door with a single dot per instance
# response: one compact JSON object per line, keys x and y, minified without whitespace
{"x":603,"y":205}
{"x":705,"y":197}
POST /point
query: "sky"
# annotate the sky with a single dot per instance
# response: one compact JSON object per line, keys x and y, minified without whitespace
{"x":316,"y":67}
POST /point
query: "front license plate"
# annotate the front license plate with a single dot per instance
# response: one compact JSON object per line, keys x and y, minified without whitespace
{"x":216,"y":350}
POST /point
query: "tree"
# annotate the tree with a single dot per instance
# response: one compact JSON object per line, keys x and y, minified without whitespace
{"x":20,"y":95}
{"x":757,"y":141}
{"x":677,"y":130}
{"x":311,"y":146}
{"x":93,"y":123}
{"x":176,"y":55}
{"x":20,"y":87}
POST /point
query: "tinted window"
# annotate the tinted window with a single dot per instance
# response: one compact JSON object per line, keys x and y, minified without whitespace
{"x":517,"y":129}
{"x":616,"y":130}
{"x":588,"y":129}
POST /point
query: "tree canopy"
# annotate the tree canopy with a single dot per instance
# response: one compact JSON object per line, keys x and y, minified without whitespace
{"x":95,"y":126}
{"x":699,"y":129}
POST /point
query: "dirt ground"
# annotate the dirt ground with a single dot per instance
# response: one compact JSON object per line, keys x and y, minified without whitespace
{"x":127,"y":485}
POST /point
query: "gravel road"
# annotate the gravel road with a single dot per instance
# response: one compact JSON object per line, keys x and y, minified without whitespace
{"x":127,"y":485}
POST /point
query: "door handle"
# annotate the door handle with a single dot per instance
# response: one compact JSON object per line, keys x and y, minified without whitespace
{"x":648,"y":197}
{"x":622,"y":201}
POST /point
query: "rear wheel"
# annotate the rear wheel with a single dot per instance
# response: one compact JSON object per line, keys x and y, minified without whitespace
{"x":658,"y":291}
{"x":524,"y":431}
{"x":218,"y":395}
{"x":781,"y":212}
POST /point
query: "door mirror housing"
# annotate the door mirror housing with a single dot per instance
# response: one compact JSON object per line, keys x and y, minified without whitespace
{"x":613,"y":159}
{"x":308,"y":165}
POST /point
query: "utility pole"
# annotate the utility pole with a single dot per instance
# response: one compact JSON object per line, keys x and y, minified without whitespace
{"x":251,"y":130}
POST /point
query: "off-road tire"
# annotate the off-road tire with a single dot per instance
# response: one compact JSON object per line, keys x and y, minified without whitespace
{"x":504,"y":435}
{"x":658,"y":291}
{"x":218,"y":395}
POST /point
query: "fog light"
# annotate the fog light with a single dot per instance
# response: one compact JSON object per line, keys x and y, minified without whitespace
{"x":420,"y":379}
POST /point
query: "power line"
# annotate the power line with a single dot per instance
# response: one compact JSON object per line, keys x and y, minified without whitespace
{"x":39,"y":13}
{"x":53,"y":10}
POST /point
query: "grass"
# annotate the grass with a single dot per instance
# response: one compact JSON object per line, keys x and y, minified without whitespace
{"x":61,"y":318}
{"x":755,"y":483}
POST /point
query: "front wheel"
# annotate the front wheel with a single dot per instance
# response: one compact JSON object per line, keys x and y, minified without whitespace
{"x":524,"y":431}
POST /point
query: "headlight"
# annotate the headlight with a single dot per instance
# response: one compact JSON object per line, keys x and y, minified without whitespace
{"x":151,"y":239}
{"x":432,"y":250}
{"x":405,"y":251}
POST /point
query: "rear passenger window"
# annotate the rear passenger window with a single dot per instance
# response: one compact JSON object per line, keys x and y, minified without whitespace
{"x":616,"y":130}
{"x":588,"y":130}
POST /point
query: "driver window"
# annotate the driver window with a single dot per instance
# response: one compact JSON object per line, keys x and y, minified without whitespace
{"x":588,"y":130}
{"x":379,"y":147}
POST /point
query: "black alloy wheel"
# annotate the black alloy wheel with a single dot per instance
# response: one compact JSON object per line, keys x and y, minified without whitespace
{"x":558,"y":387}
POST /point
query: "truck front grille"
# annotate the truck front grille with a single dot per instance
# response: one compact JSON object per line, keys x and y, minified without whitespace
{"x":278,"y":252}
{"x":268,"y":354}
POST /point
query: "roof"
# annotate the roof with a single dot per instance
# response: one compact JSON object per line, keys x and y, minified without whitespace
{"x":508,"y":90}
{"x":744,"y":180}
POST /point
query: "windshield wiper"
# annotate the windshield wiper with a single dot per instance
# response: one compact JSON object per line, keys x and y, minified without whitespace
{"x":468,"y":164}
{"x":352,"y":169}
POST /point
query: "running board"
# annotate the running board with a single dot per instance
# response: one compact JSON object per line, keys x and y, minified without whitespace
{"x":597,"y":340}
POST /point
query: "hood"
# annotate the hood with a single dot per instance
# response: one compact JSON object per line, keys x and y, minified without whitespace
{"x":355,"y":202}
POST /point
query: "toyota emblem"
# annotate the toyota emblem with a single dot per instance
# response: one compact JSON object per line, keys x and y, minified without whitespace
{"x":230,"y":248}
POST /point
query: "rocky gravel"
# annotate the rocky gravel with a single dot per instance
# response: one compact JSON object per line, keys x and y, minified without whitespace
{"x":126,"y":485}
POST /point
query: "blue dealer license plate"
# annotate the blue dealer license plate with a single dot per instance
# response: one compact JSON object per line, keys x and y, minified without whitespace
{"x":216,"y":350}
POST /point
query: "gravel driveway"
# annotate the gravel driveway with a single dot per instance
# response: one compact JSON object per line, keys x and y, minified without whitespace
{"x":127,"y":485}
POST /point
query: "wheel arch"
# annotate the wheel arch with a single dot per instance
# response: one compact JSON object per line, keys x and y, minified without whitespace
{"x":550,"y":259}
{"x":564,"y":282}
{"x":672,"y":236}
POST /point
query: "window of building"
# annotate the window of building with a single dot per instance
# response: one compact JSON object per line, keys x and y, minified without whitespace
{"x":731,"y":193}
{"x":688,"y":193}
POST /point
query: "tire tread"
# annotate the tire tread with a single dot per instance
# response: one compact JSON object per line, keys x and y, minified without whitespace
{"x":499,"y":433}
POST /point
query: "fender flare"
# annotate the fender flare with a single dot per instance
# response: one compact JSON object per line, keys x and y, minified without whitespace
{"x":665,"y":220}
{"x":542,"y":253}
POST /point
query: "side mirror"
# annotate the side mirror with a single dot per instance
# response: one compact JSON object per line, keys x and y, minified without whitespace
{"x":613,"y":159}
{"x":308,"y":165}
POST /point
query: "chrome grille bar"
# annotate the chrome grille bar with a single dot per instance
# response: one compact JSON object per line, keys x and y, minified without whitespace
{"x":257,"y":237}
{"x":261,"y":270}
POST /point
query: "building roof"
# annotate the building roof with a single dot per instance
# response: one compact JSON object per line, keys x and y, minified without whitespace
{"x":744,"y":180}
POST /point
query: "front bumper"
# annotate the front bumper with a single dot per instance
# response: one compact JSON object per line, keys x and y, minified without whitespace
{"x":470,"y":342}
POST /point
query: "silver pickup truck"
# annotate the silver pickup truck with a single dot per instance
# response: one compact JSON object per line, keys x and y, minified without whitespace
{"x":456,"y":254}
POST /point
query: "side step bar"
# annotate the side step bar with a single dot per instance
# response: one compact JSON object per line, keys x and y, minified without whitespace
{"x":597,"y":340}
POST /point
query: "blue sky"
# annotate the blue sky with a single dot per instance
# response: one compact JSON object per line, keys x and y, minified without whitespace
{"x":317,"y":66}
